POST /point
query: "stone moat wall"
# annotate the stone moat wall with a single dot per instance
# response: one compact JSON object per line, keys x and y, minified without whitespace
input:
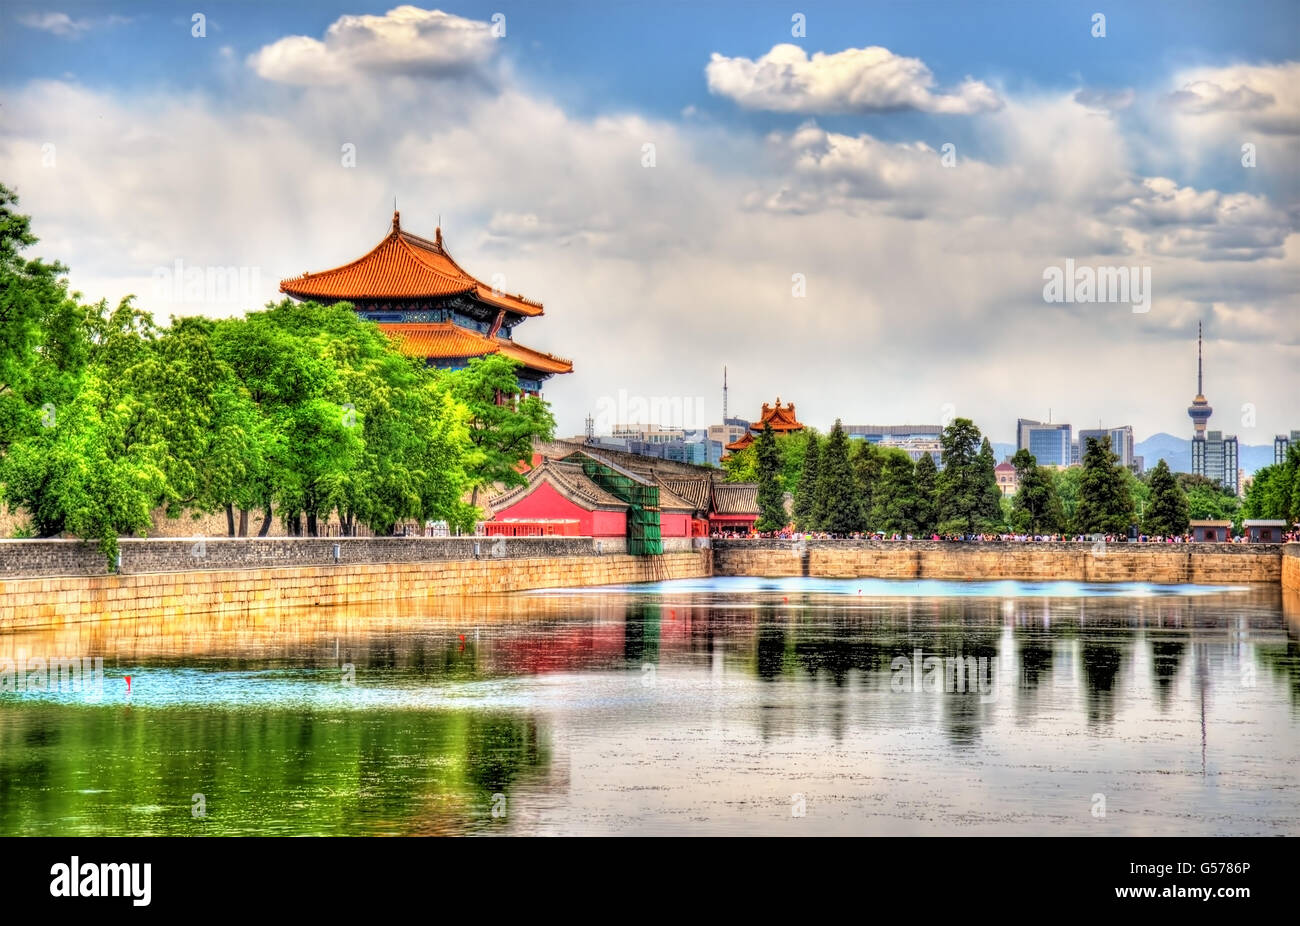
{"x":1207,"y":563}
{"x":59,"y":581}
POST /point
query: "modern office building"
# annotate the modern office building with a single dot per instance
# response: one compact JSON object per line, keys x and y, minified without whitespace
{"x":915,"y":448}
{"x":1121,"y":441}
{"x":731,"y":430}
{"x":1049,"y":443}
{"x":1219,"y":459}
{"x":1282,"y":443}
{"x":881,"y":433}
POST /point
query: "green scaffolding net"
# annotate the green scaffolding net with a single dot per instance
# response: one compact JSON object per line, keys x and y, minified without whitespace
{"x":642,"y":498}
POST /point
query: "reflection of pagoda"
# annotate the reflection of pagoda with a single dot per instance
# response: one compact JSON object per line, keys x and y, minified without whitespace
{"x":1199,"y":411}
{"x":781,"y":419}
{"x":420,"y":296}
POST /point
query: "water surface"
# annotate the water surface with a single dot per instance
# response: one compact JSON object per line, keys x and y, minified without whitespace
{"x":731,"y":706}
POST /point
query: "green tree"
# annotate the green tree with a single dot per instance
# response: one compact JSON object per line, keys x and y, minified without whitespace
{"x":1166,"y":513}
{"x":894,"y":502}
{"x":838,"y":508}
{"x":805,"y":496}
{"x":771,"y":499}
{"x":793,"y":446}
{"x":1275,"y":490}
{"x":1036,"y":508}
{"x":741,"y":465}
{"x":867,"y":460}
{"x":990,"y":495}
{"x":1105,"y":501}
{"x":961,"y":500}
{"x":926,"y":477}
{"x":502,"y":426}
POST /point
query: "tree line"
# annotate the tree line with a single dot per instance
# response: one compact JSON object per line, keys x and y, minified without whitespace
{"x":300,"y":410}
{"x":840,"y":486}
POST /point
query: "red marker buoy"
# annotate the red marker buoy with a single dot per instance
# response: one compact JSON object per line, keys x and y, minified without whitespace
{"x":128,"y":684}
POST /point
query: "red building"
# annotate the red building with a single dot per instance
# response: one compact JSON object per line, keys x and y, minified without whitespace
{"x":423,"y":299}
{"x":735,"y":507}
{"x":618,"y":495}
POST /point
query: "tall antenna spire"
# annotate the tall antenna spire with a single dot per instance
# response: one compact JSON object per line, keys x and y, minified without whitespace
{"x":1199,"y":389}
{"x":724,"y":394}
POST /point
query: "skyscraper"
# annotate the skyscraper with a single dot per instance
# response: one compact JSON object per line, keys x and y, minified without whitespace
{"x":1049,"y":443}
{"x":1281,"y":444}
{"x":1121,"y":441}
{"x":1219,"y":458}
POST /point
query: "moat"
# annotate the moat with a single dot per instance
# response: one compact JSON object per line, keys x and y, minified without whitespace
{"x":722,"y":705}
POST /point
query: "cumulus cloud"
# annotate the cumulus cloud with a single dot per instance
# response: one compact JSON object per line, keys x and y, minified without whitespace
{"x":404,"y":41}
{"x":856,"y":80}
{"x":1207,"y":224}
{"x":1262,"y":98}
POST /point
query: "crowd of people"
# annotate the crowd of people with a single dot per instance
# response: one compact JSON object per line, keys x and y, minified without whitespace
{"x":795,"y":535}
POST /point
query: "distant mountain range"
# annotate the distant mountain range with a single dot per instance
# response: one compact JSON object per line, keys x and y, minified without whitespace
{"x":1177,"y":452}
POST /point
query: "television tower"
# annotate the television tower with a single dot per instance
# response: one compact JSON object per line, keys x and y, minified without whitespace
{"x":1199,"y":411}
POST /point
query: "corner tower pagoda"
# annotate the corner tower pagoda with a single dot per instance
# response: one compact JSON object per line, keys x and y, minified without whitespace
{"x":779,"y":417}
{"x":422,"y":298}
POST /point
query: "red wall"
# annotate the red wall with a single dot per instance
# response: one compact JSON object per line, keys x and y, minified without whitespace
{"x":672,"y":524}
{"x":545,"y":502}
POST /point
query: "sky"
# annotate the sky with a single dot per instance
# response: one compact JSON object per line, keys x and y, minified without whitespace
{"x":855,"y":207}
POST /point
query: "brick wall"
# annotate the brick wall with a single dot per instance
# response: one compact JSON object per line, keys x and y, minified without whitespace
{"x":1208,"y":563}
{"x":54,"y":600}
{"x":1291,"y":567}
{"x":140,"y":555}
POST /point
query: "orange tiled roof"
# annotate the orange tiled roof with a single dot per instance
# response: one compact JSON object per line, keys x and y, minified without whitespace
{"x":447,"y":340}
{"x":780,"y":417}
{"x":741,"y":442}
{"x":536,"y":359}
{"x":403,"y":266}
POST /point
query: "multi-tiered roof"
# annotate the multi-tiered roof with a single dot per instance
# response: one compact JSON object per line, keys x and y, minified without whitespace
{"x":779,"y":417}
{"x":421,"y":297}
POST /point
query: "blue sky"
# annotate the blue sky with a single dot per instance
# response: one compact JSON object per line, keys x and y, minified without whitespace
{"x":1123,"y":149}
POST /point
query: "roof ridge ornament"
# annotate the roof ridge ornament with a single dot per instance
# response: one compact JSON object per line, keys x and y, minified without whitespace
{"x":397,"y":221}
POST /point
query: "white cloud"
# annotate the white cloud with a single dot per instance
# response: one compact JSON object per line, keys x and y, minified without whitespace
{"x":1206,"y":224}
{"x":63,"y":25}
{"x":856,"y":80}
{"x":1260,"y":98}
{"x":404,"y":41}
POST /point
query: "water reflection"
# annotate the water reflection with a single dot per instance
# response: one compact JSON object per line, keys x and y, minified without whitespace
{"x":685,"y":707}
